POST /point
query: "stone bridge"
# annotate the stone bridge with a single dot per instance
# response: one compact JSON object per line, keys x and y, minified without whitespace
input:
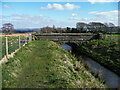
{"x":66,"y":37}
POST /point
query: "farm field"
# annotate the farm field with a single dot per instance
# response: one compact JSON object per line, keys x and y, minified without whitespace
{"x":106,"y":52}
{"x":45,"y":64}
{"x":18,"y":34}
{"x":114,"y":36}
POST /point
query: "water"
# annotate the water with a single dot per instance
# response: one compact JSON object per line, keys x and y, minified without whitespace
{"x":67,"y":47}
{"x":112,"y":80}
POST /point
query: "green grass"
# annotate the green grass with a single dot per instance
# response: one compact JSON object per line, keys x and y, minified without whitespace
{"x":106,"y":52}
{"x":12,"y":44}
{"x":45,"y":64}
{"x":114,"y":36}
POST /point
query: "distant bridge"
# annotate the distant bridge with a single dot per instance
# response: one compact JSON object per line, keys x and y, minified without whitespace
{"x":66,"y":37}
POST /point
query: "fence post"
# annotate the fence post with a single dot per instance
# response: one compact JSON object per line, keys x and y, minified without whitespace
{"x":111,"y":37}
{"x":30,"y":38}
{"x":26,"y":39}
{"x":105,"y":36}
{"x":6,"y":47}
{"x":19,"y":42}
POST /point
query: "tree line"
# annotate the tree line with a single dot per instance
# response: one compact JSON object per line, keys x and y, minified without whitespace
{"x":81,"y":27}
{"x":92,"y":27}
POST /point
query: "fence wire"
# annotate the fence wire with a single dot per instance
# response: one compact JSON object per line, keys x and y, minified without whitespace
{"x":13,"y":44}
{"x":3,"y":47}
{"x":0,"y":47}
{"x":111,"y":37}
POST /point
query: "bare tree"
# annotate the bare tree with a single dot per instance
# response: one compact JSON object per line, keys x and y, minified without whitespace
{"x":98,"y":26}
{"x":54,"y":27}
{"x":110,"y":27}
{"x":46,"y":29}
{"x":8,"y":28}
{"x":81,"y":26}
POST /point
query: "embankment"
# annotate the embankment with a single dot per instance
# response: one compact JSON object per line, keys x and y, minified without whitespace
{"x":45,"y":64}
{"x":105,"y":52}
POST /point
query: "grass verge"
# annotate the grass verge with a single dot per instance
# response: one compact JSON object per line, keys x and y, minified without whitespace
{"x":105,"y":52}
{"x":45,"y":64}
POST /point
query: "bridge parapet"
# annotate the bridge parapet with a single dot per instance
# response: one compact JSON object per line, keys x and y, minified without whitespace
{"x":66,"y":37}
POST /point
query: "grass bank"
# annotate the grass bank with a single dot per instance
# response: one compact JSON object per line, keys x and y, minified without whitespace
{"x":45,"y":64}
{"x":105,"y":52}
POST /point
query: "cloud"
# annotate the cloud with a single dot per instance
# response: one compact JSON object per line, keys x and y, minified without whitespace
{"x":94,"y":1}
{"x":69,"y":6}
{"x":56,"y":6}
{"x":6,"y":6}
{"x":95,"y":19}
{"x":105,"y":14}
{"x":74,"y":14}
{"x":110,"y":16}
{"x":37,"y":21}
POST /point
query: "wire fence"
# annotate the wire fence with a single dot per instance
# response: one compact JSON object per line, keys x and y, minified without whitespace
{"x":12,"y":43}
{"x":111,"y":36}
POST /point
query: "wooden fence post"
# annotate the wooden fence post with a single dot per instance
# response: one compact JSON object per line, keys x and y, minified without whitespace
{"x":111,"y":37}
{"x":105,"y":36}
{"x":19,"y":42}
{"x":25,"y":39}
{"x":6,"y":47}
{"x":30,"y":37}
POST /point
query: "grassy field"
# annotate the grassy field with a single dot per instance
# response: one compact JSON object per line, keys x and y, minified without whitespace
{"x":114,"y":36}
{"x":45,"y":64}
{"x":106,"y":52}
{"x":12,"y":44}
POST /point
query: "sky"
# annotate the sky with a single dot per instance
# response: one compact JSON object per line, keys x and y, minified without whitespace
{"x":39,"y":13}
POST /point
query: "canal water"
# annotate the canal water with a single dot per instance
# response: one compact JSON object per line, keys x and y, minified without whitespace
{"x":67,"y":47}
{"x":112,"y":80}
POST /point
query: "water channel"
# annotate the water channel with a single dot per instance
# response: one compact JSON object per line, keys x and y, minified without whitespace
{"x":112,"y":80}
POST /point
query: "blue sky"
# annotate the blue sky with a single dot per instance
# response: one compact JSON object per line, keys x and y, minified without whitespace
{"x":61,"y":14}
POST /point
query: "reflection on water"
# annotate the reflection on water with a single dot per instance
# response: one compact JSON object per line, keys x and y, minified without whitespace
{"x":67,"y":47}
{"x":111,"y":79}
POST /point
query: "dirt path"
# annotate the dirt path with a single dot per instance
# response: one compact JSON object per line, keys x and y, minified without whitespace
{"x":26,"y":34}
